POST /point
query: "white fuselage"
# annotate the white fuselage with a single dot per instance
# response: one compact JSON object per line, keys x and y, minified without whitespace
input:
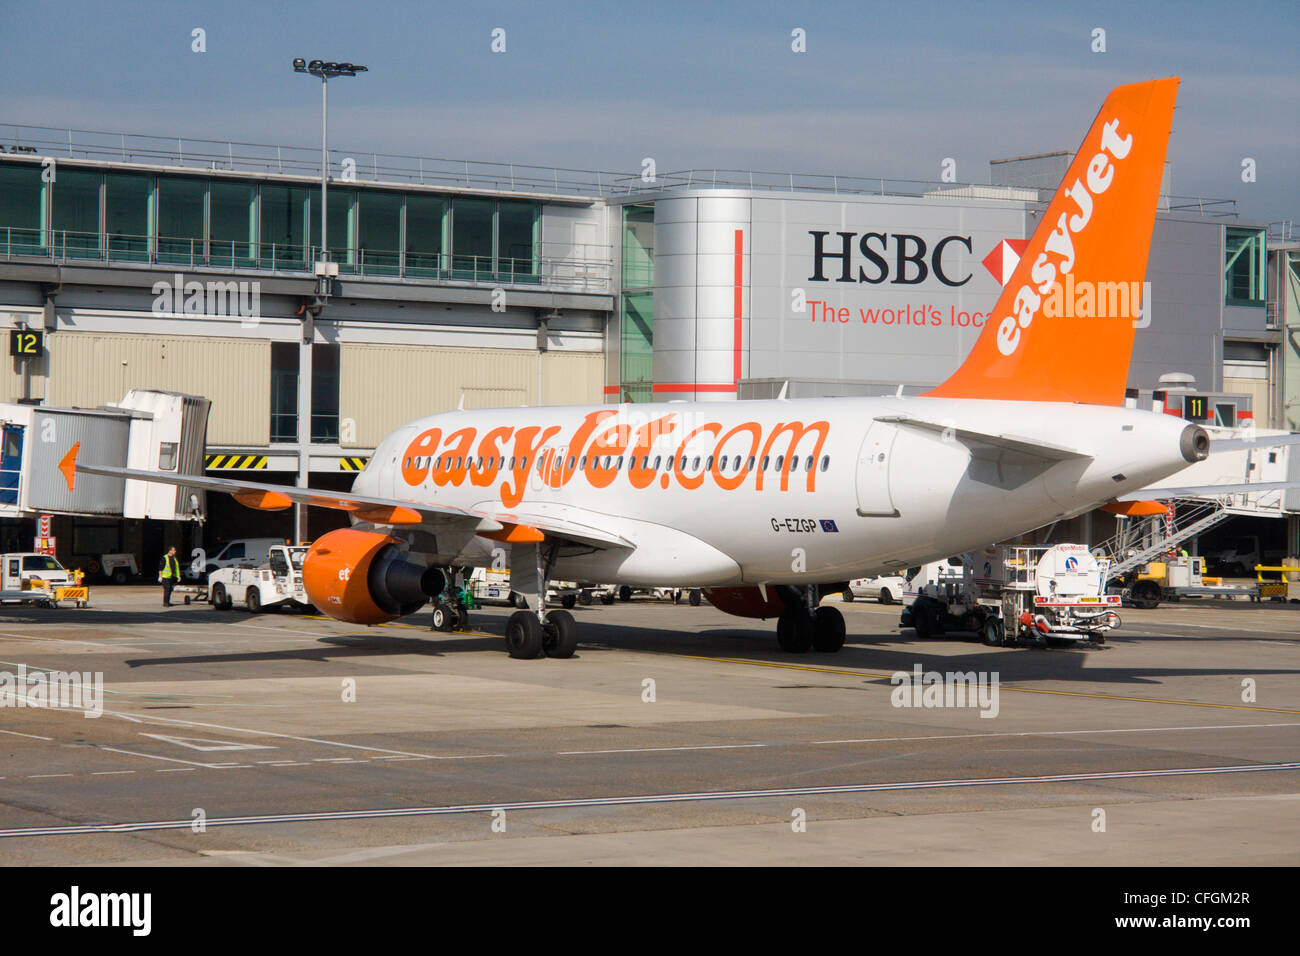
{"x":865,"y":496}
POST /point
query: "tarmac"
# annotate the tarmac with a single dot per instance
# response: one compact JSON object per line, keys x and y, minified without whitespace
{"x":676,"y":736}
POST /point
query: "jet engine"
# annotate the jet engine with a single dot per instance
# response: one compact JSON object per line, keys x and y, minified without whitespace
{"x":364,"y":578}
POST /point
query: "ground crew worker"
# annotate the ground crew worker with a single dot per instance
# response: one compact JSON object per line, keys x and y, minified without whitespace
{"x":169,"y":573}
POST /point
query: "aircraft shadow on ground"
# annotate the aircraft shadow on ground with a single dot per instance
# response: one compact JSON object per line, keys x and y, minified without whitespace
{"x":1080,"y":664}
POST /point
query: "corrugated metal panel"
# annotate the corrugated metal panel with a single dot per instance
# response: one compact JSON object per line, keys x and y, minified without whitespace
{"x":382,"y":386}
{"x":103,"y":440}
{"x":11,"y":376}
{"x":88,"y":370}
{"x":573,"y":378}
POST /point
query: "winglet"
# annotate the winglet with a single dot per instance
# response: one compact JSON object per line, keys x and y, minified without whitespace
{"x":69,"y":467}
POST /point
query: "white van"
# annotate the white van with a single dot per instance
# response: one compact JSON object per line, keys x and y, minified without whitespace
{"x":17,"y":567}
{"x":239,"y":553}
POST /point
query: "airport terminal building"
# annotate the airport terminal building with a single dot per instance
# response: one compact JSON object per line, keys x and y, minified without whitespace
{"x":192,"y":266}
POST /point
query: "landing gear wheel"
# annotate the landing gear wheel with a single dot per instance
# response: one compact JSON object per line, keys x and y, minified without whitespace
{"x":885,"y":596}
{"x":794,"y":631}
{"x":220,"y":599}
{"x":696,"y":597}
{"x":584,"y":597}
{"x":443,"y":617}
{"x":625,"y":593}
{"x":524,"y":635}
{"x":569,"y":600}
{"x":254,"y":600}
{"x":607,"y":598}
{"x":461,"y":622}
{"x":993,"y":632}
{"x":828,"y":630}
{"x":559,"y":634}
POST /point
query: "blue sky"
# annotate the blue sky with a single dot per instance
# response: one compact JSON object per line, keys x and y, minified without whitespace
{"x":883,"y":89}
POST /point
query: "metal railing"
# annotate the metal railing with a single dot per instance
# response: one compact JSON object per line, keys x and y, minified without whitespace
{"x":233,"y":156}
{"x":398,"y":168}
{"x":1139,"y":541}
{"x":573,"y":273}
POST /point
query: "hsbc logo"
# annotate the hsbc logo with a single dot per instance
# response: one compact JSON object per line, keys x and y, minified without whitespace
{"x":876,"y":257}
{"x":1004,"y":258}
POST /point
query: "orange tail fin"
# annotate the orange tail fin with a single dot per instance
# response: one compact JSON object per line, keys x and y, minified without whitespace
{"x":1062,"y":330}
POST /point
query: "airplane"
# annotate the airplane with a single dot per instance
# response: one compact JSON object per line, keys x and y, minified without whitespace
{"x":766,"y":505}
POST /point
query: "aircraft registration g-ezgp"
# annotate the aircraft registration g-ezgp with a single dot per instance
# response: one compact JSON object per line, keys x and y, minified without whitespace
{"x":767,"y":504}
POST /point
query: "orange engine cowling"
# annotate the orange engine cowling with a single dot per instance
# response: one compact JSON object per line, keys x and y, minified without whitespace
{"x":364,"y":578}
{"x":746,"y":602}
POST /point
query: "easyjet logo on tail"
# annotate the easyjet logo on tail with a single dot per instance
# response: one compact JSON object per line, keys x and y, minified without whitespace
{"x":1086,"y":259}
{"x":610,"y":447}
{"x":1058,"y":256}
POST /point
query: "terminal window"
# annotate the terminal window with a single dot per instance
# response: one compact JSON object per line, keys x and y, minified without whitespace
{"x":1243,"y":271}
{"x":22,"y":210}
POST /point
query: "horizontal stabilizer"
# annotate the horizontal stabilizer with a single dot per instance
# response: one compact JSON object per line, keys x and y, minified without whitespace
{"x":1001,"y":442}
{"x":1208,"y":491}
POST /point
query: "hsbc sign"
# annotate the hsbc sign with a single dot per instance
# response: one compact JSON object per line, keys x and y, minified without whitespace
{"x":880,"y":257}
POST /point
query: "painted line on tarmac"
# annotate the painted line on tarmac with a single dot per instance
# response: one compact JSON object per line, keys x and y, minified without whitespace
{"x":1002,"y":686}
{"x":690,"y":797}
{"x":1051,"y":733}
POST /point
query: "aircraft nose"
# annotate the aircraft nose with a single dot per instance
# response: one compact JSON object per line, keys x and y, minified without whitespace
{"x":1194,"y":443}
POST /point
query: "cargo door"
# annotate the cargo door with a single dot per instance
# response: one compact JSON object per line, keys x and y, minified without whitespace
{"x":875,"y":462}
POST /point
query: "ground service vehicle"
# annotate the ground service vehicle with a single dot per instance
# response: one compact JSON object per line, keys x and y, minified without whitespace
{"x":278,"y":583}
{"x":241,"y":552}
{"x":1020,"y":594}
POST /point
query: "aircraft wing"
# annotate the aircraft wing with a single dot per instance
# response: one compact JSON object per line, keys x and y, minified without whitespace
{"x":510,"y":525}
{"x":1001,"y":442}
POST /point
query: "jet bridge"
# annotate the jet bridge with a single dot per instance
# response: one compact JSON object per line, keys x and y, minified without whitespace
{"x":148,"y":429}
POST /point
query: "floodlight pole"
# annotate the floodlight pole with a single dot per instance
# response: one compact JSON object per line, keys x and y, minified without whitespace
{"x":324,"y":70}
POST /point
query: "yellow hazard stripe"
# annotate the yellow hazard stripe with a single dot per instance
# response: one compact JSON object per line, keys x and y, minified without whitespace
{"x":240,"y":462}
{"x":352,"y":463}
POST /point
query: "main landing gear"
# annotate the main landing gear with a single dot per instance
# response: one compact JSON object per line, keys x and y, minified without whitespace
{"x":804,"y":626}
{"x":536,"y":631}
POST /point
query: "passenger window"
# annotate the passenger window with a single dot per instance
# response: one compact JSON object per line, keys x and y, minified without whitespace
{"x":808,"y":463}
{"x":750,"y":466}
{"x":572,"y":461}
{"x":458,"y":461}
{"x":695,"y":464}
{"x":407,"y":464}
{"x":523,"y":463}
{"x":794,"y":463}
{"x":763,"y":467}
{"x":826,"y":462}
{"x":657,"y":460}
{"x":583,"y":463}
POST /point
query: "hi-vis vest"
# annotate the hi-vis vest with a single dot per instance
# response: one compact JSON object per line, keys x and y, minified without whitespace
{"x":171,"y":568}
